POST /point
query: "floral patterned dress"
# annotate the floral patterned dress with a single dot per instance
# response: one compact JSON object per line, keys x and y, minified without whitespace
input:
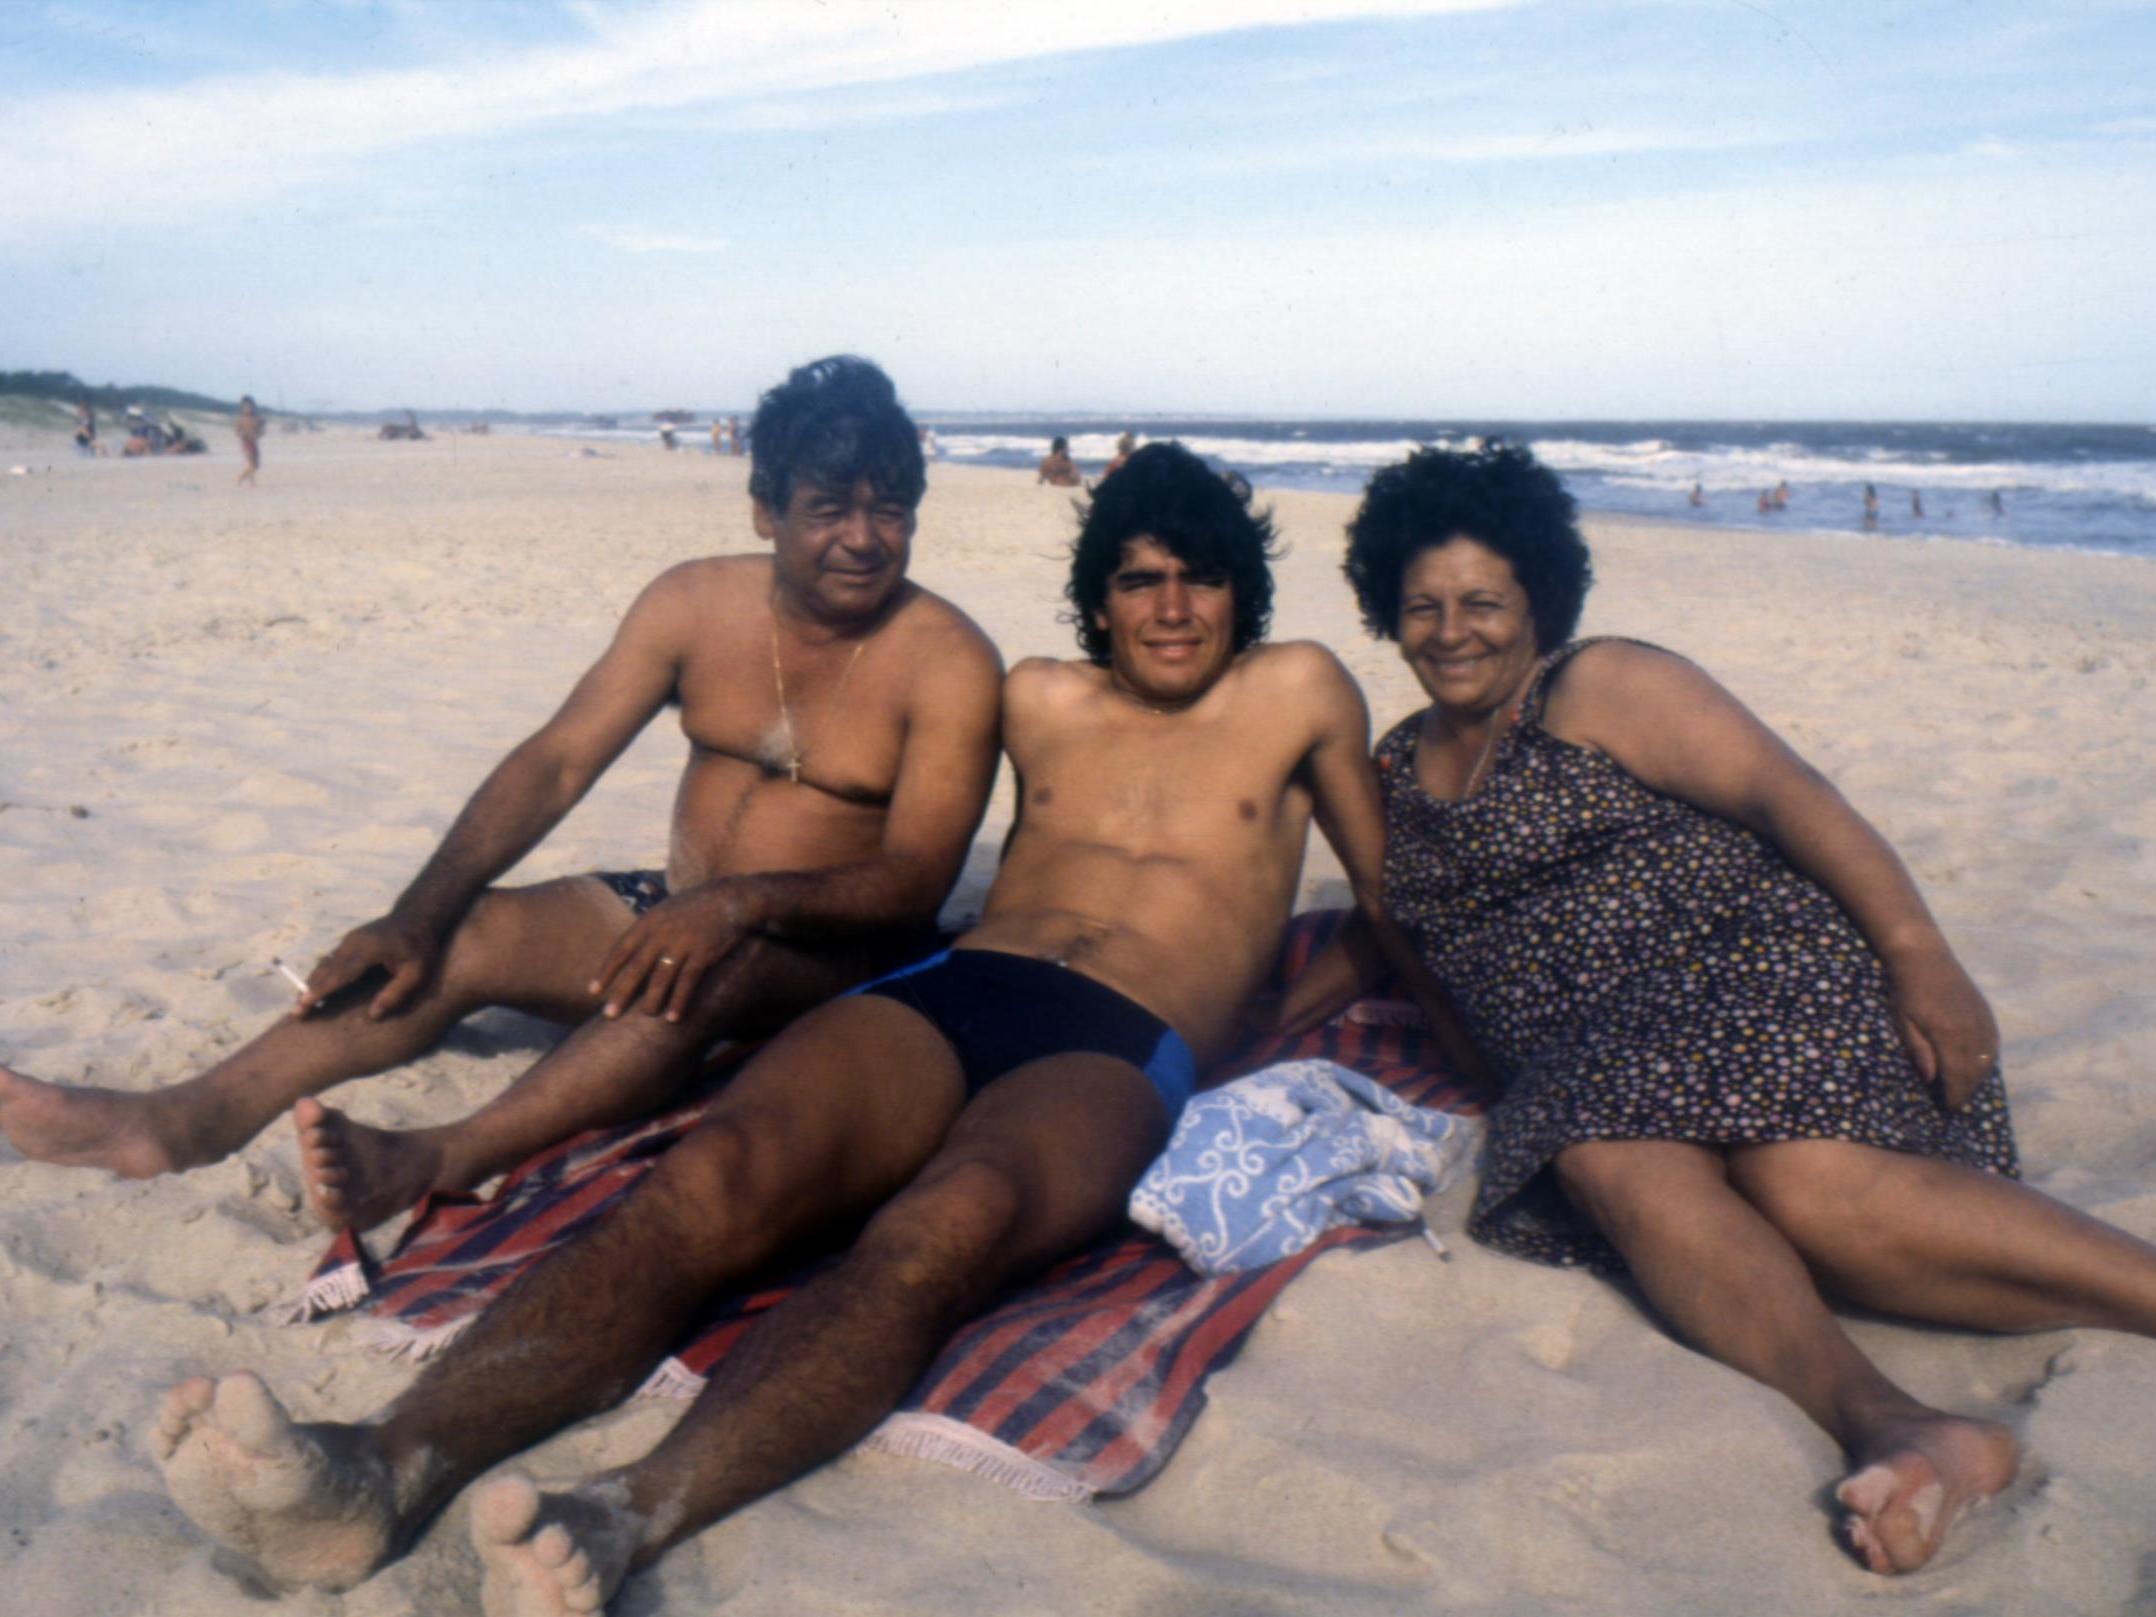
{"x":1639,"y":969}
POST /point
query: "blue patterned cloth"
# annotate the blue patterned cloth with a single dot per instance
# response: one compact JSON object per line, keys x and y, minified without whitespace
{"x":1258,"y":1169}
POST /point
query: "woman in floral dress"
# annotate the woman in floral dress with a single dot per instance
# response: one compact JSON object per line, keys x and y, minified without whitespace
{"x":1738,"y":1057}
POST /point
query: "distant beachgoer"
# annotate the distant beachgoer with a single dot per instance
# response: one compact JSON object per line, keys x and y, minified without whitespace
{"x":718,"y":436}
{"x":1871,"y":507}
{"x":1057,"y":469}
{"x":1123,"y":446}
{"x":248,"y":425}
{"x":930,"y":449}
{"x":1698,"y":497}
{"x":733,"y":433}
{"x":1781,"y":495}
{"x":1997,"y":503}
{"x":666,"y":434}
{"x":86,"y":429}
{"x":1916,"y":504}
{"x":1766,"y":502}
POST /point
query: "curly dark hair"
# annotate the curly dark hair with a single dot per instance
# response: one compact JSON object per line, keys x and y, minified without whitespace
{"x":833,"y":422}
{"x":1498,"y":495}
{"x":1167,"y":494}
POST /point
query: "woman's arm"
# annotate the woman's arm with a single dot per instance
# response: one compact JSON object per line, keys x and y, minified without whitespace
{"x":1672,"y":727}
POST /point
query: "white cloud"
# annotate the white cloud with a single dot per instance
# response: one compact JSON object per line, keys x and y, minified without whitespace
{"x":119,"y":157}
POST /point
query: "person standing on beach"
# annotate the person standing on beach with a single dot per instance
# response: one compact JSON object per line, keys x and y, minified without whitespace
{"x":842,"y":741}
{"x":248,"y":426}
{"x":1057,"y":469}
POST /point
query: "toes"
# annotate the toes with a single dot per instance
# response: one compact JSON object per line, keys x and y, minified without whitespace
{"x":182,"y":1407}
{"x":1868,"y":1490}
{"x":249,"y":1415}
{"x":552,"y":1548}
{"x":504,"y":1509}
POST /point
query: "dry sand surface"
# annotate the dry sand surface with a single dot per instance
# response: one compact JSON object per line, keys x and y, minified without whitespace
{"x":233,"y":722}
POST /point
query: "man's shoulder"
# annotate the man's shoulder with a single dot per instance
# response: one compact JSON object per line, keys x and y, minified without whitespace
{"x":1294,"y":663}
{"x":943,"y":638}
{"x":1039,"y":682}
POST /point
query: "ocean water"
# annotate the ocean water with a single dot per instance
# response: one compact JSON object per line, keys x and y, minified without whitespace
{"x":2070,"y":487}
{"x":2078,"y":487}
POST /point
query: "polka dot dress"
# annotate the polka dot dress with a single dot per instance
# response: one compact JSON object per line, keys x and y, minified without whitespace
{"x":1639,"y":969}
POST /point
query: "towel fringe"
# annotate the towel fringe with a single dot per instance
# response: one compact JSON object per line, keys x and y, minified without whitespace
{"x":673,"y":1379}
{"x":922,"y":1436}
{"x":394,"y":1339}
{"x":330,"y":1292}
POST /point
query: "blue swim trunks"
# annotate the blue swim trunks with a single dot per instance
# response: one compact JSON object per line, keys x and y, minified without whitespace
{"x":1000,"y":1011}
{"x":641,"y":890}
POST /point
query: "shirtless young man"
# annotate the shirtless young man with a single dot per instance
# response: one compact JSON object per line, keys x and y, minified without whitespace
{"x":842,"y":728}
{"x":974,"y":1117}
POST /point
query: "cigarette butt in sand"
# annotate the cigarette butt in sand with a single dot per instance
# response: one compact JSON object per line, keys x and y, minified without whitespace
{"x":291,"y":976}
{"x":1437,"y":1246}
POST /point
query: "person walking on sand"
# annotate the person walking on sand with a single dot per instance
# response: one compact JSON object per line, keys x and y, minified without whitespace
{"x":973,"y":1117}
{"x":248,"y":426}
{"x":842,"y":741}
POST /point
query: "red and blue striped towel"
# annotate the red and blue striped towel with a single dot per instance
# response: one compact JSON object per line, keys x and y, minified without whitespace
{"x":1079,"y":1383}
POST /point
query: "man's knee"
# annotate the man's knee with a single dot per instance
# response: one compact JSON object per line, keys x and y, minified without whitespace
{"x":951,"y":1236}
{"x":707,"y":1184}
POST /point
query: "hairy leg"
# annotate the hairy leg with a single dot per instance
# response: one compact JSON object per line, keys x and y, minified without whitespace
{"x":1936,"y":1241}
{"x":1730,"y":1283}
{"x":1040,"y":1163}
{"x":605,"y":1072}
{"x":824,"y":1125}
{"x":530,"y":947}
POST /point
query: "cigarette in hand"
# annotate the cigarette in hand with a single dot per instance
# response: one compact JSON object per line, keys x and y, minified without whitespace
{"x":1437,"y":1246}
{"x":291,"y":976}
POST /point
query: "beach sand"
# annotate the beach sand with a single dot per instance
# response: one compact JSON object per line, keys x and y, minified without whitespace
{"x":233,"y":722}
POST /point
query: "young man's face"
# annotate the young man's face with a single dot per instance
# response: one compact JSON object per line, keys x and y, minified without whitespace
{"x":839,"y":554}
{"x":1171,"y":628}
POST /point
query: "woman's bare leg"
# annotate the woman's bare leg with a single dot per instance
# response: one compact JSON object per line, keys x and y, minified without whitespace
{"x":1728,"y":1282}
{"x":1937,"y":1241}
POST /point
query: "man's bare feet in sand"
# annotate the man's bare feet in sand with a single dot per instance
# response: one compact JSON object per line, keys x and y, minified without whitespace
{"x":85,"y":1127}
{"x":356,"y":1176}
{"x":550,"y":1555}
{"x":1919,"y":1479}
{"x":310,"y":1505}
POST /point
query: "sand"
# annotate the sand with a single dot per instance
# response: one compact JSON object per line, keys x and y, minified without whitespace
{"x":232,"y":723}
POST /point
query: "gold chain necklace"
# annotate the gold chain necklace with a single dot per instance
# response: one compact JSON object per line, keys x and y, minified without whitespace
{"x":796,"y":756}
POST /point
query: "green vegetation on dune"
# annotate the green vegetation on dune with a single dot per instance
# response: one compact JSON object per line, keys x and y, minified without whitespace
{"x":67,"y":388}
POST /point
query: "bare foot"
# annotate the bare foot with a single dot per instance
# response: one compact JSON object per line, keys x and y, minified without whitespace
{"x":310,"y":1505}
{"x":357,"y":1176}
{"x":84,"y":1128}
{"x":1920,"y":1478}
{"x":550,"y":1555}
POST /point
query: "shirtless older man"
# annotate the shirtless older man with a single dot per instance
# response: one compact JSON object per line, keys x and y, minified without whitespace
{"x":984,"y":1111}
{"x":842,"y":731}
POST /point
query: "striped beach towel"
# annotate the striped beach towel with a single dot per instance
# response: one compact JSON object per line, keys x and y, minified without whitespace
{"x":1079,"y":1383}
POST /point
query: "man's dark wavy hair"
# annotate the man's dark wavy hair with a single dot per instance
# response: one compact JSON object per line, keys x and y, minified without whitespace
{"x":1498,"y":495}
{"x":833,"y":422}
{"x":1167,"y":494}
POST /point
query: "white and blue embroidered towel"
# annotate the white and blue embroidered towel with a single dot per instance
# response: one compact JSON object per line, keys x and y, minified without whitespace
{"x":1258,"y":1169}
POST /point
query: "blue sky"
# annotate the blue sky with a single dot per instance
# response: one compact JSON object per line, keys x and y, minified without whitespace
{"x":1518,"y":208}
